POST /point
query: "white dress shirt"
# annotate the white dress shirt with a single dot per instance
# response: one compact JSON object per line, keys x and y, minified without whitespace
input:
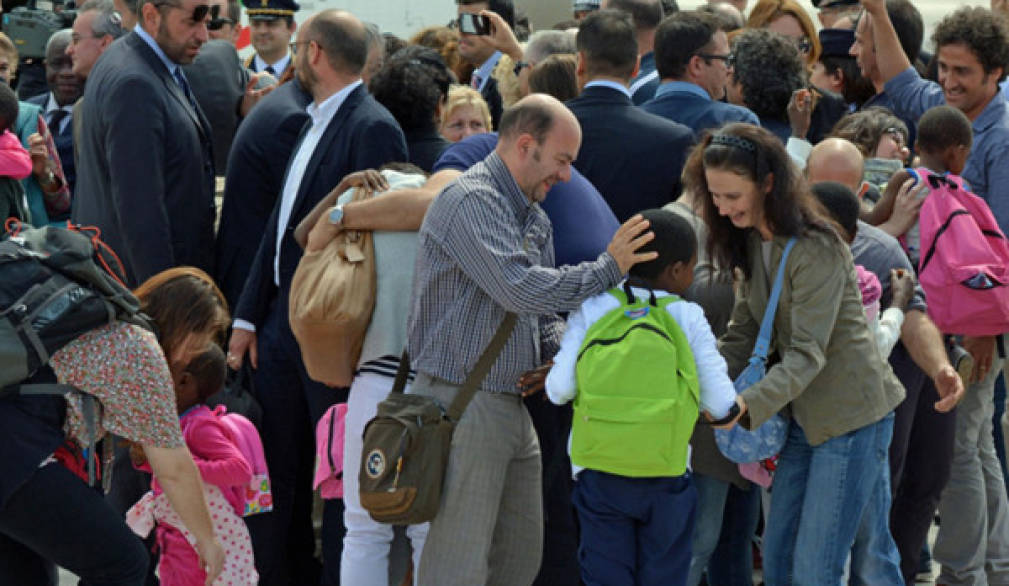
{"x":321,"y":115}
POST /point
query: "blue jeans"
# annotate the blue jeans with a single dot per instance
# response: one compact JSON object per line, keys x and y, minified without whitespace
{"x":727,"y":518}
{"x":634,"y":531}
{"x":819,"y":499}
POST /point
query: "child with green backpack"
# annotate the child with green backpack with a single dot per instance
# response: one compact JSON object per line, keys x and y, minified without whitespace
{"x":640,"y":364}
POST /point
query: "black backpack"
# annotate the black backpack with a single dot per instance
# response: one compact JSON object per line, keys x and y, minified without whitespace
{"x":56,"y":284}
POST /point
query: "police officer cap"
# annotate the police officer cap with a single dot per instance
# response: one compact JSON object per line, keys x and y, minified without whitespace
{"x":836,"y":42}
{"x":270,"y":9}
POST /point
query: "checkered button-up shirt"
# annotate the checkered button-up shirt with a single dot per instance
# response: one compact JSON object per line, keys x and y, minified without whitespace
{"x":484,"y":250}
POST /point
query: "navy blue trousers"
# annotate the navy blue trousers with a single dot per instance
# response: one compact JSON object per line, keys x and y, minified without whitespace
{"x":292,"y":405}
{"x":634,"y":531}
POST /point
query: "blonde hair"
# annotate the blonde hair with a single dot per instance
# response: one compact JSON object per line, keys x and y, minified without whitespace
{"x":7,"y":47}
{"x":767,"y":11}
{"x":461,"y":95}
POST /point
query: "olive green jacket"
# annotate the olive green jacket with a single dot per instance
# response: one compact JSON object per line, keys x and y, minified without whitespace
{"x":830,"y":375}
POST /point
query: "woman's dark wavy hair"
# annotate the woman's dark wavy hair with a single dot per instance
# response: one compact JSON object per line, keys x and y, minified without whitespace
{"x":790,"y":208}
{"x":769,"y":68}
{"x":411,"y":85}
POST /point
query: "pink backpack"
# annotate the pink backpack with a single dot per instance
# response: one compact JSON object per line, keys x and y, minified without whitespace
{"x":964,"y":265}
{"x":256,"y":496}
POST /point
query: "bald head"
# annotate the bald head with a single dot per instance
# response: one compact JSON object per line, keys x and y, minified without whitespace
{"x":537,"y":115}
{"x":836,"y":159}
{"x":538,"y":141}
{"x":342,"y":37}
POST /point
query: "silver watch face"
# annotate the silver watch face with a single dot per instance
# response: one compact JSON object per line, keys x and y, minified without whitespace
{"x":335,"y":215}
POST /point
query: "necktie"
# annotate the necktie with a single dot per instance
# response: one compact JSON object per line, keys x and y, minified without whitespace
{"x":55,"y":119}
{"x":269,"y":69}
{"x":179,"y":77}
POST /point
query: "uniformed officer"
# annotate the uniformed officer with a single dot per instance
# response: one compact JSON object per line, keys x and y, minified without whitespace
{"x":272,"y":23}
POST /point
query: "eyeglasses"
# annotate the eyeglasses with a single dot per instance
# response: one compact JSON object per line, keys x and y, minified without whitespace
{"x":730,"y":59}
{"x":897,"y":135}
{"x":200,"y":12}
{"x":293,"y":45}
{"x":519,"y":66}
{"x":804,"y":45}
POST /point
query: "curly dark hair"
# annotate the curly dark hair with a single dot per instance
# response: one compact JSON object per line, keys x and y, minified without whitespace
{"x":984,"y":33}
{"x":867,"y":127}
{"x":411,"y":85}
{"x":769,"y":68}
{"x":789,"y":207}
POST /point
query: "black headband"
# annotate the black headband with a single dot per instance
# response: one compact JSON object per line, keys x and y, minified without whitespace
{"x":735,"y":141}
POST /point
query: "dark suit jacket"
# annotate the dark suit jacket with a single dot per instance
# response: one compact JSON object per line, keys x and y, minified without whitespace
{"x":495,"y":104}
{"x":64,"y":143}
{"x":632,"y":157}
{"x":218,"y":80}
{"x":362,"y":135}
{"x":697,"y":112}
{"x":146,"y":169}
{"x":259,"y":155}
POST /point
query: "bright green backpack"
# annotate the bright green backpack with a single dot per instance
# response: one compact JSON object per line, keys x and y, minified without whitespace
{"x":637,"y":399}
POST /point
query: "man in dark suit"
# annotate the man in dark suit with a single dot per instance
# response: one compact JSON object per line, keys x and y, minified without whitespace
{"x":478,"y":51}
{"x":347,"y":131}
{"x":646,"y":14}
{"x":221,"y":85}
{"x":255,"y":178}
{"x":633,"y":158}
{"x":693,"y":59}
{"x":145,"y":175}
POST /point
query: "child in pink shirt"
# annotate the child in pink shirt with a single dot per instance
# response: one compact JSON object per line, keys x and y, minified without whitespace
{"x":225,"y":472}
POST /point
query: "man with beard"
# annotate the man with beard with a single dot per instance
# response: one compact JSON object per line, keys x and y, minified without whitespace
{"x":346,"y":131}
{"x":146,"y":168}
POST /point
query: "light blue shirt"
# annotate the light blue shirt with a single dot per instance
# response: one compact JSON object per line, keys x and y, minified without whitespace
{"x":987,"y":168}
{"x":169,"y":64}
{"x":682,"y":86}
{"x":483,"y":72}
{"x":610,"y":84}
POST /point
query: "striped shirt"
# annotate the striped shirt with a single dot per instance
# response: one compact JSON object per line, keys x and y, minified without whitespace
{"x":484,"y":249}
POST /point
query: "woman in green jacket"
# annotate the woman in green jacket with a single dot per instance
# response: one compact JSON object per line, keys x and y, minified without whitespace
{"x":832,"y":481}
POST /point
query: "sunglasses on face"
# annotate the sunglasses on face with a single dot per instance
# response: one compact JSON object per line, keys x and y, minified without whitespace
{"x":200,"y":12}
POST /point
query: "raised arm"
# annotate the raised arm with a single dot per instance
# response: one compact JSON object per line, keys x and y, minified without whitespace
{"x":890,"y":56}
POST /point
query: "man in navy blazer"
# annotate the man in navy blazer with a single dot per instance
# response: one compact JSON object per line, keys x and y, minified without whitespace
{"x":145,"y":174}
{"x":632,"y":157}
{"x":692,"y":58}
{"x":347,"y":131}
{"x":254,"y":180}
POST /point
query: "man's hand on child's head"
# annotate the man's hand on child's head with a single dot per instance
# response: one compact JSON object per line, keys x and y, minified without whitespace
{"x":533,"y":381}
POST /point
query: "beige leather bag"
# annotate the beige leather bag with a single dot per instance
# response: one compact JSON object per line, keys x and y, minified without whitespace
{"x":332,"y":297}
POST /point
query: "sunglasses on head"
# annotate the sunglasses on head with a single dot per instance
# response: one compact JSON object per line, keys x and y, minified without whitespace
{"x":217,"y":22}
{"x":200,"y":12}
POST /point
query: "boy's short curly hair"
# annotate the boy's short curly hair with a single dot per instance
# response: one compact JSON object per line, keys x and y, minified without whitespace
{"x":943,"y":127}
{"x":981,"y":31}
{"x":769,"y":68}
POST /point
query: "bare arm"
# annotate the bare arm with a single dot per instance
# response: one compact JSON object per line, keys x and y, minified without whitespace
{"x":884,"y":207}
{"x":924,"y":342}
{"x":402,"y":209}
{"x":178,"y":476}
{"x":890,"y":56}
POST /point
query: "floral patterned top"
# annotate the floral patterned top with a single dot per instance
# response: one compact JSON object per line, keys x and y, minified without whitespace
{"x":123,"y":366}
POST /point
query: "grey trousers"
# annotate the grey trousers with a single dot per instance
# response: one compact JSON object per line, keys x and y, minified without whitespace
{"x":973,"y":542}
{"x":489,"y":528}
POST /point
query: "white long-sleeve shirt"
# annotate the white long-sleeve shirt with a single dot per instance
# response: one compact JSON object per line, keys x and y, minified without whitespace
{"x":717,"y":395}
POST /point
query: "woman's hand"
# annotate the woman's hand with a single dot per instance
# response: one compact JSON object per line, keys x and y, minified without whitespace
{"x":211,"y":559}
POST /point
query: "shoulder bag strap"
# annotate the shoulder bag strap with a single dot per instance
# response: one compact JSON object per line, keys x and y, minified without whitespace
{"x":483,"y":365}
{"x":764,"y":338}
{"x":479,"y":372}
